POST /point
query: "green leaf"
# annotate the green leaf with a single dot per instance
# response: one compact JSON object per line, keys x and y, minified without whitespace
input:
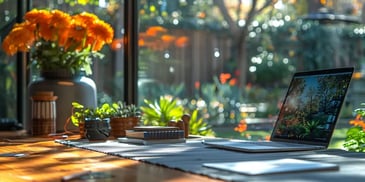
{"x":353,"y":131}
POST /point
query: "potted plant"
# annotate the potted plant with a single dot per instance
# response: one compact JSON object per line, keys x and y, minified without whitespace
{"x":93,"y":122}
{"x":62,"y":48}
{"x":123,"y":117}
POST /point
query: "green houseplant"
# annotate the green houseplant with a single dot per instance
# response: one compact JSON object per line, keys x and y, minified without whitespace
{"x":161,"y":112}
{"x":92,"y":122}
{"x":121,"y":109}
{"x":80,"y":112}
{"x":123,"y":117}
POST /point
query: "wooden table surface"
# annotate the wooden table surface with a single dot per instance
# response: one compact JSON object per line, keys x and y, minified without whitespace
{"x":45,"y":160}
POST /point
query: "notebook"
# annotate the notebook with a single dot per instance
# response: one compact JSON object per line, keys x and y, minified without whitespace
{"x":272,"y":166}
{"x":308,"y":114}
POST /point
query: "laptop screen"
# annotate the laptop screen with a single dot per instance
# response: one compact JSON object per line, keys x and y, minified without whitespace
{"x":311,"y":107}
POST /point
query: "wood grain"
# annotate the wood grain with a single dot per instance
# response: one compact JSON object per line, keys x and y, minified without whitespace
{"x":50,"y":161}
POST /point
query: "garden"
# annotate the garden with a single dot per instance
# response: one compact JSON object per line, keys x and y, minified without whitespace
{"x":228,"y":68}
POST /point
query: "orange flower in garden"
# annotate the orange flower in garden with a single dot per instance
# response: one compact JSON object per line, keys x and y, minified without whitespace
{"x":224,"y":77}
{"x":358,"y":122}
{"x":167,"y":38}
{"x":242,"y":126}
{"x":69,"y":41}
{"x":197,"y":85}
{"x":233,"y":82}
{"x":141,"y":42}
{"x":267,"y":137}
{"x":155,"y":30}
{"x":201,"y":15}
{"x":157,"y":39}
{"x":117,"y":43}
{"x":181,"y":41}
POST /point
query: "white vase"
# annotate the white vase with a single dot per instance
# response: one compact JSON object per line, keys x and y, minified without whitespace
{"x":68,"y":88}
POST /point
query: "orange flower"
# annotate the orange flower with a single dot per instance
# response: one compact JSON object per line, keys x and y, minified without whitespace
{"x":223,"y":77}
{"x":38,"y":16}
{"x":141,"y":43}
{"x":60,"y":20}
{"x":167,"y":38}
{"x":155,"y":38}
{"x":233,"y":81}
{"x":267,"y":137}
{"x":59,"y":24}
{"x":101,"y":31}
{"x":41,"y":18}
{"x":20,"y":38}
{"x":117,"y":43}
{"x":181,"y":41}
{"x":201,"y":15}
{"x":45,"y":32}
{"x":58,"y":34}
{"x":358,"y":122}
{"x":85,"y":19}
{"x":197,"y":85}
{"x":242,"y":126}
{"x":154,"y":30}
{"x":76,"y":34}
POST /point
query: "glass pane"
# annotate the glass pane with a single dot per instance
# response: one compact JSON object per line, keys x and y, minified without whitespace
{"x":7,"y":63}
{"x":233,"y":60}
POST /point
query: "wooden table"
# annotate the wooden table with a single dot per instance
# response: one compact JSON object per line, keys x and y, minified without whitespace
{"x":50,"y":161}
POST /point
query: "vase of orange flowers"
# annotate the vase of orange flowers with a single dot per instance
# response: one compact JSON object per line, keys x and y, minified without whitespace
{"x":62,"y":48}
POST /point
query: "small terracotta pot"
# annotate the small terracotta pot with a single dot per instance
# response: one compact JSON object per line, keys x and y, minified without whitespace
{"x":97,"y":129}
{"x":119,"y":125}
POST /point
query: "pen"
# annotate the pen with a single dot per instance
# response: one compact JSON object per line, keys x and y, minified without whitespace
{"x":74,"y":176}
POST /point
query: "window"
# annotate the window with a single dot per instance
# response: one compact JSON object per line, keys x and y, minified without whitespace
{"x":230,"y":61}
{"x":233,"y":60}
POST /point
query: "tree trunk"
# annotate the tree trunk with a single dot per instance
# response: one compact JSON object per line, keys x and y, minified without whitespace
{"x":239,"y":35}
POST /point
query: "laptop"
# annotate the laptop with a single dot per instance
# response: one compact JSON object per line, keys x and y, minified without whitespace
{"x":307,"y":117}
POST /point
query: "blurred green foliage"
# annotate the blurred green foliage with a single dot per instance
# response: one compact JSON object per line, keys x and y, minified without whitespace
{"x":166,"y":109}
